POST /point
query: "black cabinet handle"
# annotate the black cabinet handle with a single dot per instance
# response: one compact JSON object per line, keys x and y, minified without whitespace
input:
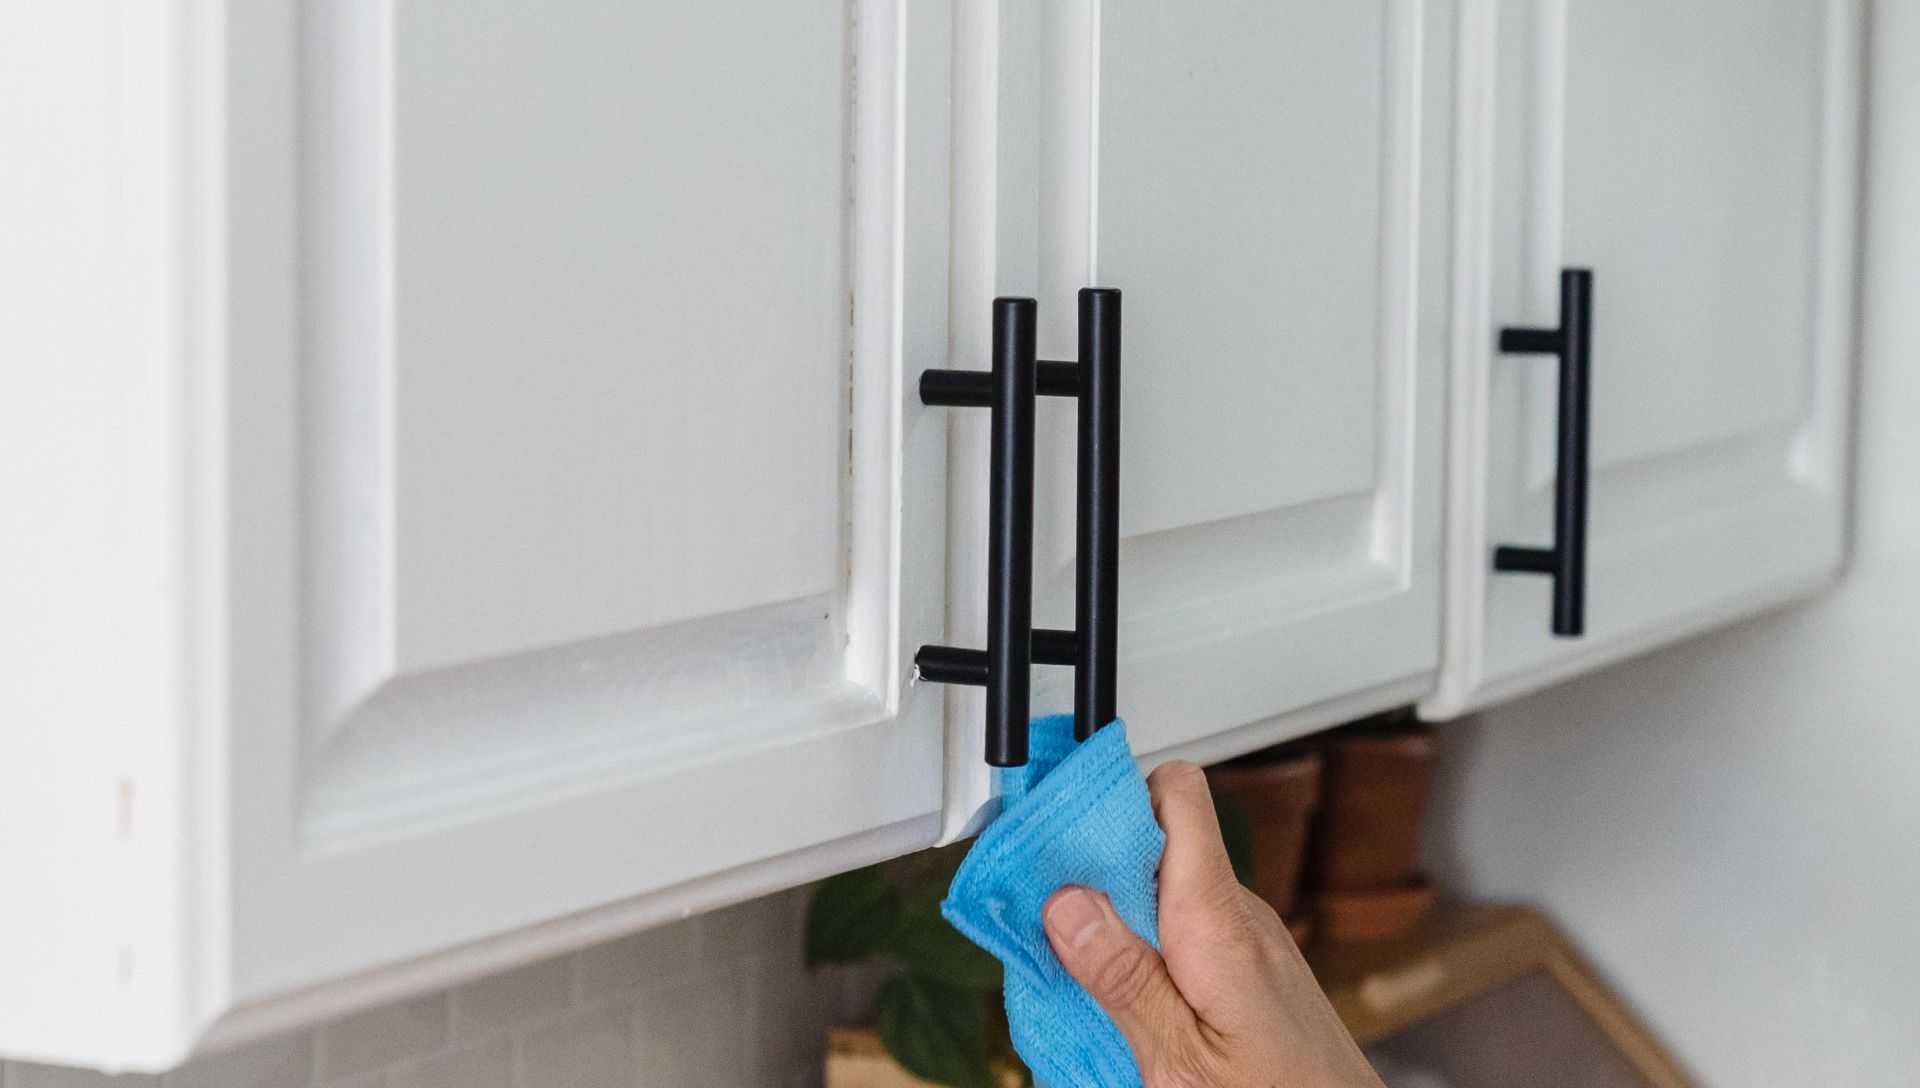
{"x":1566,"y":561}
{"x":1009,"y":389}
{"x":1096,"y":611}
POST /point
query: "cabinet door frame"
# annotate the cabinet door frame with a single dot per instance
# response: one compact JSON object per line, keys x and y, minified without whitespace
{"x":1497,"y":646}
{"x":257,"y":892}
{"x":1024,"y":226}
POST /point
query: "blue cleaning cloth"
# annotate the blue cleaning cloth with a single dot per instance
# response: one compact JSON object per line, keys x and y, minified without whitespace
{"x":1077,"y":813}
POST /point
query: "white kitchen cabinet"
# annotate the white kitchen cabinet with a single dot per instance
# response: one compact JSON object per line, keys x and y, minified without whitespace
{"x":1268,"y":187}
{"x":1701,"y":160}
{"x":472,"y":499}
{"x":471,"y":494}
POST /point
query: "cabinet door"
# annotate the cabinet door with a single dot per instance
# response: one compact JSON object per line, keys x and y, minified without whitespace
{"x":574,"y":521}
{"x":1266,"y":185}
{"x":1700,"y":159}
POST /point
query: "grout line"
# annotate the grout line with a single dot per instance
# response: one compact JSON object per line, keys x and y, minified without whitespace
{"x":745,"y":982}
{"x":570,"y":967}
{"x":574,"y":983}
{"x":633,"y":1047}
{"x":517,"y":1058}
{"x":320,"y":1055}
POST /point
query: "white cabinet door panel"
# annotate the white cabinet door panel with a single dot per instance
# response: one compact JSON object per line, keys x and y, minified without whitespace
{"x":547,"y":518}
{"x":624,"y":234}
{"x":1701,"y":160}
{"x":1267,"y":187}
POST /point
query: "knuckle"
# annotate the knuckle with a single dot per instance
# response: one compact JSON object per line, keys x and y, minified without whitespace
{"x":1228,"y":902}
{"x":1186,"y":1064}
{"x":1245,"y":925}
{"x":1125,"y":978}
{"x":1244,"y":944}
{"x":1177,"y":775}
{"x":1264,"y":917}
{"x":1271,"y":928}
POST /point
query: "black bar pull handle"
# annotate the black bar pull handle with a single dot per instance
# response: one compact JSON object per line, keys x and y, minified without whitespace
{"x":1566,"y":561}
{"x":1004,"y":669}
{"x":1097,"y":534}
{"x":1010,"y":533}
{"x":1013,"y":645}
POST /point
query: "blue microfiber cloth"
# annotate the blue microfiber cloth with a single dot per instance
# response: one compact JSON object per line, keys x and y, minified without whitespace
{"x":1077,"y":813}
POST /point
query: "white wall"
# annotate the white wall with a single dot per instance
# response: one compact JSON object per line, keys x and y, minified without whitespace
{"x":719,"y":1000}
{"x":1732,"y":827}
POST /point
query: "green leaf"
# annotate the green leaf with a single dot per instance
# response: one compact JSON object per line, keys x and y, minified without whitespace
{"x":1237,"y":832}
{"x":1004,"y":1055}
{"x":937,"y":1032}
{"x":931,"y":948}
{"x":849,"y":916}
{"x":942,"y":862}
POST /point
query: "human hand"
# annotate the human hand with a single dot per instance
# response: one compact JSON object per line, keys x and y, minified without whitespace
{"x":1228,"y":1001}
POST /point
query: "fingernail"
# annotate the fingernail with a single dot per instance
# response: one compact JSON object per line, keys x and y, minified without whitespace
{"x":1075,"y":914}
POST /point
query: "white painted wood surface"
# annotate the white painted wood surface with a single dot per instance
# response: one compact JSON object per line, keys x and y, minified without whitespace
{"x":473,"y":498}
{"x":1702,"y":160}
{"x":1268,"y":187}
{"x":89,"y":687}
{"x":493,"y":469}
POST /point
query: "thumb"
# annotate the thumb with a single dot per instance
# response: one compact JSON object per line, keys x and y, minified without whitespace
{"x":1122,"y":972}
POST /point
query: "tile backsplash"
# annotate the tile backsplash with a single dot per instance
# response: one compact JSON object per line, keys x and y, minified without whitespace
{"x":714,"y":1001}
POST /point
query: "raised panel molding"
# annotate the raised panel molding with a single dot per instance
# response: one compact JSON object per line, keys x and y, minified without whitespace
{"x":343,"y":813}
{"x":497,"y":698}
{"x":1764,"y":475}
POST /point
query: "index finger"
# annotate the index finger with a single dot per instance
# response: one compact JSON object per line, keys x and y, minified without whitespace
{"x":1196,"y":857}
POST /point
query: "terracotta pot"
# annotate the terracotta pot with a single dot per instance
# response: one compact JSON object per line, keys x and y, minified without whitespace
{"x":1277,"y":794}
{"x":1374,"y":794}
{"x":1363,"y":917}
